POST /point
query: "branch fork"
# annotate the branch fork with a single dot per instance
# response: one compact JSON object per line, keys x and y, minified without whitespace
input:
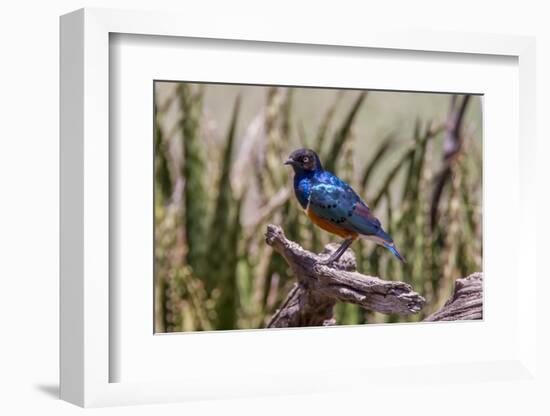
{"x":319,"y":287}
{"x":311,"y":301}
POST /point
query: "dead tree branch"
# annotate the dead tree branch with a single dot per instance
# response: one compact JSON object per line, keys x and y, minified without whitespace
{"x":311,"y":301}
{"x":466,"y":303}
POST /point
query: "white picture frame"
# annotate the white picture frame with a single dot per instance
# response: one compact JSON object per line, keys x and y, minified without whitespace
{"x":87,"y":356}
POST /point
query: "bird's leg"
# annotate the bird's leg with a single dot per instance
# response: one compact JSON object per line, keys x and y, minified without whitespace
{"x":335,"y":256}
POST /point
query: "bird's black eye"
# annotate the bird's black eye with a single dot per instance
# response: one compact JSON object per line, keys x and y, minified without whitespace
{"x":305,"y":159}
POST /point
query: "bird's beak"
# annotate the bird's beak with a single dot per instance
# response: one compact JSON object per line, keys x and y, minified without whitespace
{"x":289,"y":162}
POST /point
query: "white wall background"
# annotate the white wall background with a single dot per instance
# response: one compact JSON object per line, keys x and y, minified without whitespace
{"x":29,"y":100}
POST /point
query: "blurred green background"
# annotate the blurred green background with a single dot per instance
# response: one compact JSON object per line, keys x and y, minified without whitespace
{"x":415,"y":158}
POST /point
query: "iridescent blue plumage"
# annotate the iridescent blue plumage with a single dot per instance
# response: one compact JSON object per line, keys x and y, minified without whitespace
{"x":332,"y":204}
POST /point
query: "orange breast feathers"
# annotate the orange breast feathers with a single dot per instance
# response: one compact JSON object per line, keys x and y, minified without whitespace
{"x":329,"y":226}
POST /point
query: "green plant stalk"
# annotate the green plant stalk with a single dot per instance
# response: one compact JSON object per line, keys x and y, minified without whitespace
{"x":196,"y":297}
{"x":273,"y":176}
{"x":397,"y":167}
{"x":428,"y":258}
{"x":286,"y":123}
{"x":342,"y":134}
{"x":326,"y":122}
{"x":417,"y":195}
{"x":194,"y":172}
{"x":383,"y":148}
{"x":450,"y":249}
{"x":225,"y":225}
{"x":162,"y":172}
{"x":228,"y":302}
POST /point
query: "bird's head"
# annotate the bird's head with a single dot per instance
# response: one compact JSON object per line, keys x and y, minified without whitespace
{"x":304,"y":161}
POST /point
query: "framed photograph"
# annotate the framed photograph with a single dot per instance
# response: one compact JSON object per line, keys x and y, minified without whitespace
{"x":273,"y":212}
{"x":235,"y":171}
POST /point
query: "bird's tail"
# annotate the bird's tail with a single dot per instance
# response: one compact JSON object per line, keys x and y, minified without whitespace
{"x":395,"y":252}
{"x":385,"y":240}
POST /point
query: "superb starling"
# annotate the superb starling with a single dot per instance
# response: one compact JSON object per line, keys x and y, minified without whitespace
{"x":333,"y":205}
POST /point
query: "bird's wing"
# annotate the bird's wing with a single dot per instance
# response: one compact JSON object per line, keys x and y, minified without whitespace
{"x":338,"y":203}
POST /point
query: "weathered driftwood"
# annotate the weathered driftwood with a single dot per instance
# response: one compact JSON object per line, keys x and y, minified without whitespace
{"x":318,"y":287}
{"x":466,"y":303}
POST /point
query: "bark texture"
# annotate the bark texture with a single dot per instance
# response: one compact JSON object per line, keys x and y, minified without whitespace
{"x":312,"y":298}
{"x":319,"y":287}
{"x":465,"y":304}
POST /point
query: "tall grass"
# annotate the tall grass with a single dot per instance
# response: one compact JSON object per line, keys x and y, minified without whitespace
{"x":213,"y":200}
